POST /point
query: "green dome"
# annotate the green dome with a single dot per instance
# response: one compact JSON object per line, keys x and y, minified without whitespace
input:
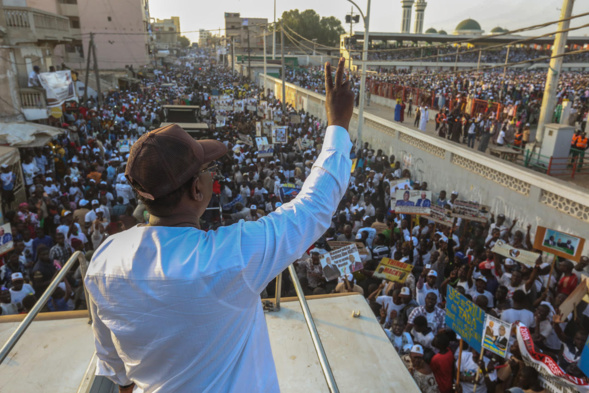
{"x":468,"y":24}
{"x":431,"y":30}
{"x":442,"y":32}
{"x":498,"y":30}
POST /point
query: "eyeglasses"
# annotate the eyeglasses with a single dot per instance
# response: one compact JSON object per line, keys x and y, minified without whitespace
{"x":210,"y":169}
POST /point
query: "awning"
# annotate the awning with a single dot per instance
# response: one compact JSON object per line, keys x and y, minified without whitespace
{"x":25,"y":134}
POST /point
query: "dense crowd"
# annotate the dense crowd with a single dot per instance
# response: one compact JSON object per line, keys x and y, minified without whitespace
{"x":77,"y":196}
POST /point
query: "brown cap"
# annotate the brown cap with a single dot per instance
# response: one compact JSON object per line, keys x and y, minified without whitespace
{"x":162,"y":160}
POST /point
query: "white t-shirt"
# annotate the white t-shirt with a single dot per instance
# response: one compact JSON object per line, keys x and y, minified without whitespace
{"x":524,"y":316}
{"x":389,"y":304}
{"x":474,"y":294}
{"x":422,"y":293}
{"x":469,"y":365}
{"x":17,"y":296}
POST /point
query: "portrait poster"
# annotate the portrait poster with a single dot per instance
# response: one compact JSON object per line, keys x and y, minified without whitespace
{"x":559,"y":243}
{"x":400,"y":184}
{"x":343,"y":260}
{"x":295,"y":119}
{"x":497,"y":335}
{"x":267,"y":127}
{"x":279,"y":134}
{"x":470,"y":211}
{"x":265,"y":151}
{"x":441,"y":216}
{"x":413,"y":202}
{"x":584,"y":360}
{"x":334,"y":245}
{"x":59,"y":87}
{"x":465,"y":318}
{"x":262,"y":141}
{"x":392,"y":270}
{"x":522,"y":256}
{"x":6,"y":242}
{"x":258,"y":128}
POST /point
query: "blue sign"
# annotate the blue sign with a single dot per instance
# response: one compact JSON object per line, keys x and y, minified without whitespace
{"x":584,"y":360}
{"x":465,"y":318}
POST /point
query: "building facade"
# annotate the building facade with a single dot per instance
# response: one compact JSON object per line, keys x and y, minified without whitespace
{"x":241,"y":29}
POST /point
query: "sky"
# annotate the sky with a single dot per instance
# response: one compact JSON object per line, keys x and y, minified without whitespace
{"x":385,"y":14}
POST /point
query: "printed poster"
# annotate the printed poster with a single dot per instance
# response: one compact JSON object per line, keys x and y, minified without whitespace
{"x":413,"y":202}
{"x":471,"y":211}
{"x":339,"y":244}
{"x":342,"y":261}
{"x":441,"y":216}
{"x":497,"y":334}
{"x":59,"y":87}
{"x":265,"y":151}
{"x":584,"y":360}
{"x":6,"y":243}
{"x":262,"y":141}
{"x":465,"y":318}
{"x":523,"y":256}
{"x":559,"y":243}
{"x":124,"y":145}
{"x":392,"y":270}
{"x":552,"y":377}
{"x":259,"y":128}
{"x":279,"y":135}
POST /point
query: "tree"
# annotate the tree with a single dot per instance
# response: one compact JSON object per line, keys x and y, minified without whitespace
{"x":311,"y":25}
{"x":184,"y":42}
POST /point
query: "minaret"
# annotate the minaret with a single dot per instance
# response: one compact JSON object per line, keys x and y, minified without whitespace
{"x":419,"y":12}
{"x":406,"y":22}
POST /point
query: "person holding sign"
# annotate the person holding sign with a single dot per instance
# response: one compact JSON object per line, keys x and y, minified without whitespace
{"x":405,"y":201}
{"x":423,"y":201}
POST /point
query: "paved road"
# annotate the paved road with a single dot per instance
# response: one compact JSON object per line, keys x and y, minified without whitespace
{"x":581,"y":180}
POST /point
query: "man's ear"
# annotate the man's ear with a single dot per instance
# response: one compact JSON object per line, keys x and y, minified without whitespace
{"x":195,"y":193}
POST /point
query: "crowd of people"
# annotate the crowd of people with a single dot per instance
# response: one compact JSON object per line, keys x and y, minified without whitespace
{"x":77,"y":196}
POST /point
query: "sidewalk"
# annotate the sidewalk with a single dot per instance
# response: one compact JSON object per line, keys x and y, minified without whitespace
{"x":581,"y":180}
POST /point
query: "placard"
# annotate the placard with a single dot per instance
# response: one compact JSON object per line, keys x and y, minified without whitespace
{"x":279,"y":134}
{"x":523,"y":256}
{"x":497,"y":334}
{"x":124,"y":145}
{"x":6,"y":242}
{"x":259,"y":128}
{"x":413,"y":202}
{"x":338,"y":244}
{"x":441,"y":216}
{"x":559,"y":243}
{"x":465,"y":318}
{"x":392,"y":270}
{"x":572,"y":301}
{"x":265,"y":151}
{"x":471,"y":211}
{"x":342,"y":261}
{"x":59,"y":87}
{"x":555,"y":378}
{"x":583,"y":363}
{"x":295,"y":119}
{"x":262,"y":141}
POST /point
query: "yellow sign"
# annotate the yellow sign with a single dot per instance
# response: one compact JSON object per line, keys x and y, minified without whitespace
{"x":56,"y":112}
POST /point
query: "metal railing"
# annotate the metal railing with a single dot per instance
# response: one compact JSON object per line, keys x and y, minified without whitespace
{"x":22,"y":327}
{"x":32,"y":98}
{"x":26,"y":23}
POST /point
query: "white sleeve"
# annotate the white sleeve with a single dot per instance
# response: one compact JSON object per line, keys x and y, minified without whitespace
{"x":272,"y":243}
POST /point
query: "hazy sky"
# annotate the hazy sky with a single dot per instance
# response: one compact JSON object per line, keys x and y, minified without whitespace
{"x":386,"y":14}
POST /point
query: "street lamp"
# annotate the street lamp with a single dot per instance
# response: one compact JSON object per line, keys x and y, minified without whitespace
{"x":366,"y":19}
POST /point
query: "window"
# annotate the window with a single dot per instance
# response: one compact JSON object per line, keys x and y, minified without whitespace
{"x":68,"y":1}
{"x":109,"y":18}
{"x":74,"y":22}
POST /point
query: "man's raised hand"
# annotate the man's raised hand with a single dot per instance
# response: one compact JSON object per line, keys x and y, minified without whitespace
{"x":339,"y":102}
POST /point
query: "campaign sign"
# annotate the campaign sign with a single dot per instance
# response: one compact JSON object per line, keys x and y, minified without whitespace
{"x":265,"y":151}
{"x":334,"y":244}
{"x":465,"y":318}
{"x":559,"y":243}
{"x":441,"y":216}
{"x":471,"y":211}
{"x":258,"y":128}
{"x":392,"y":270}
{"x":413,"y":202}
{"x":344,"y":260}
{"x":523,"y":256}
{"x":6,"y":242}
{"x":584,"y":360}
{"x":261,"y":141}
{"x":279,"y":135}
{"x":497,"y":334}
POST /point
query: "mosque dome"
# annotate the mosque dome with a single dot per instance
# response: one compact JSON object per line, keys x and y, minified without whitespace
{"x":442,"y":32}
{"x":468,"y":27}
{"x":498,"y":30}
{"x":431,"y":30}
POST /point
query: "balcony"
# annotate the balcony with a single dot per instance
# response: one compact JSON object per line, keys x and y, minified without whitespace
{"x":25,"y":25}
{"x":33,"y":104}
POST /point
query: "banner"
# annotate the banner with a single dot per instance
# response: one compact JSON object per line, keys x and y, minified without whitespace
{"x":441,"y":216}
{"x":552,"y":377}
{"x":465,"y":318}
{"x":6,"y":243}
{"x":497,"y":334}
{"x":337,"y":244}
{"x":413,"y":202}
{"x":59,"y":87}
{"x":279,"y":134}
{"x":392,"y":270}
{"x":471,"y":211}
{"x":558,"y":243}
{"x":523,"y":256}
{"x":344,"y":260}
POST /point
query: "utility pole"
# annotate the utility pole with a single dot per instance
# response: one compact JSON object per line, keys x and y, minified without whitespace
{"x":549,"y":98}
{"x":283,"y":69}
{"x":88,"y":53}
{"x":274,"y":34}
{"x":265,"y":73}
{"x":249,"y":56}
{"x":506,"y":62}
{"x":232,"y":56}
{"x":96,"y":74}
{"x":363,"y":77}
